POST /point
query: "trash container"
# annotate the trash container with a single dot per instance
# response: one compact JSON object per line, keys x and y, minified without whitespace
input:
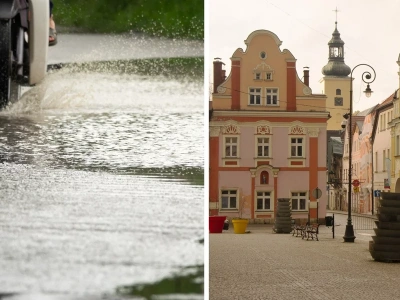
{"x":329,"y":221}
{"x":226,"y":225}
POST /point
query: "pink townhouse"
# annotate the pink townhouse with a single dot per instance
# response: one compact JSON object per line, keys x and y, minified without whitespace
{"x":267,"y":136}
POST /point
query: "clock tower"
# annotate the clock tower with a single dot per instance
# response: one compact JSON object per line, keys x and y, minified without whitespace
{"x":336,"y":82}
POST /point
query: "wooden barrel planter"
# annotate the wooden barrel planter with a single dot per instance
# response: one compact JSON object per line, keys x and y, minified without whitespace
{"x":385,"y":245}
{"x":283,"y":220}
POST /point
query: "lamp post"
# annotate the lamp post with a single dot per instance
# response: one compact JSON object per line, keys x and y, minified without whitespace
{"x":367,"y":78}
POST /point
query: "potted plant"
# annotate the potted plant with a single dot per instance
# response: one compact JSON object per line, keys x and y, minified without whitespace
{"x":240,"y":224}
{"x":216,"y":223}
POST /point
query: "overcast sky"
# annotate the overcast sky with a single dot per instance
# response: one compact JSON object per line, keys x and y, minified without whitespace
{"x":369,"y":28}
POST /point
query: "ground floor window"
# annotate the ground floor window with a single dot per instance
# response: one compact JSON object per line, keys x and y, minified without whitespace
{"x":229,"y":199}
{"x":263,"y":200}
{"x":299,"y":200}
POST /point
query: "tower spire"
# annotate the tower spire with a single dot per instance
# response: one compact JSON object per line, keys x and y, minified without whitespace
{"x":336,"y":65}
{"x":336,"y":11}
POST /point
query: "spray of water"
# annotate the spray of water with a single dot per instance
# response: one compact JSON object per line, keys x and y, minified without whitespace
{"x":70,"y":90}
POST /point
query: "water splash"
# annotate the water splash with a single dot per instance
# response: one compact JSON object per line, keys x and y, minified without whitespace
{"x":71,"y":91}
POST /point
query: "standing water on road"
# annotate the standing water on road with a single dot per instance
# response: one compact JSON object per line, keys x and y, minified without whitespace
{"x":101,"y":179}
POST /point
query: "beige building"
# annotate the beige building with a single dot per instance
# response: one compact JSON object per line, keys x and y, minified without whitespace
{"x":395,"y":141}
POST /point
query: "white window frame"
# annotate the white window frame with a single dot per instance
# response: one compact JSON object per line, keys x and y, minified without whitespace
{"x":262,"y":144}
{"x":255,"y":94}
{"x":231,"y":144}
{"x":270,"y":76}
{"x":297,"y":145}
{"x":296,"y":197}
{"x":269,"y":94}
{"x":264,"y":197}
{"x":257,"y":76}
{"x":231,"y":193}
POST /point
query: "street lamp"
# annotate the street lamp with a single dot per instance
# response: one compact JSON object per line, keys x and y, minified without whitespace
{"x":367,"y":78}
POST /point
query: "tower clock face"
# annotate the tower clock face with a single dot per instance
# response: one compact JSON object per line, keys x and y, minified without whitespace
{"x":338,"y":101}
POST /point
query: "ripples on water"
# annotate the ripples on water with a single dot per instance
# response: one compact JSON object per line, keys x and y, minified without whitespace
{"x":74,"y":218}
{"x":106,"y":120}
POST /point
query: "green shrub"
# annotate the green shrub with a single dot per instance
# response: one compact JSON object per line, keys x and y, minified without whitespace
{"x":167,"y":18}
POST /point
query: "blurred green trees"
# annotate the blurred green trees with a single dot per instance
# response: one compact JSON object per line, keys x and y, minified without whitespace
{"x":168,"y":18}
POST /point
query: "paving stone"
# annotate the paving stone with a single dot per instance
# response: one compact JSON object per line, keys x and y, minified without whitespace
{"x":266,"y":265}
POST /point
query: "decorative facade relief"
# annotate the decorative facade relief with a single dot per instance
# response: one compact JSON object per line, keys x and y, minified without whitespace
{"x":297,"y":129}
{"x":263,"y":129}
{"x":221,"y":89}
{"x":231,"y":129}
{"x":307,"y":91}
{"x":313,"y":132}
{"x":393,"y":131}
{"x":264,"y":170}
{"x":397,"y":129}
{"x":263,"y":67}
{"x":214,"y":131}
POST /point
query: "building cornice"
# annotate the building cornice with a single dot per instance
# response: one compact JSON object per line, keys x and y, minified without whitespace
{"x":269,"y":114}
{"x":219,"y":96}
{"x":327,"y":78}
{"x":322,"y":96}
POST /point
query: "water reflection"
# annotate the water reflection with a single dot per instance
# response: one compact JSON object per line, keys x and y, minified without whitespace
{"x":76,"y":232}
{"x":104,"y":141}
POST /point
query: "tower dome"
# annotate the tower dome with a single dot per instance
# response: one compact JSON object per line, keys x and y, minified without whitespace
{"x":336,"y":65}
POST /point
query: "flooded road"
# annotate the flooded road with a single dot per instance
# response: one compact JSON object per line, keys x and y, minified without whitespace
{"x":101,"y":184}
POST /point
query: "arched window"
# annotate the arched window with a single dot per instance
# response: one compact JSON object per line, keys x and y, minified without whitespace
{"x":264,"y":177}
{"x":338,"y":92}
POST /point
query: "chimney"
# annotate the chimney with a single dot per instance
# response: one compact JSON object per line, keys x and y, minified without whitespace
{"x":219,"y":74}
{"x":306,"y":76}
